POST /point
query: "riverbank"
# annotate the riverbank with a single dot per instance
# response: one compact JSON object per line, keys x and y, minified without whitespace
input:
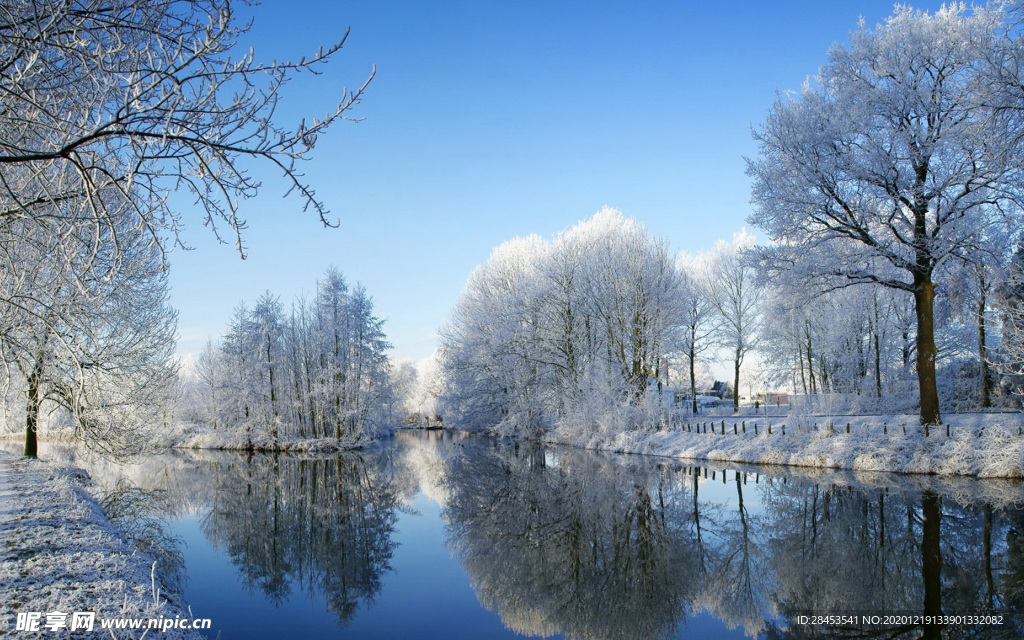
{"x":194,"y":436}
{"x":979,"y":445}
{"x":62,"y":554}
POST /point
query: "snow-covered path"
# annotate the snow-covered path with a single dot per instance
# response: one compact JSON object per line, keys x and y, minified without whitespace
{"x":8,"y":496}
{"x":60,"y":553}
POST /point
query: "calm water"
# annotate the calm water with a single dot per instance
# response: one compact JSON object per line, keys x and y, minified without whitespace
{"x":440,"y":537}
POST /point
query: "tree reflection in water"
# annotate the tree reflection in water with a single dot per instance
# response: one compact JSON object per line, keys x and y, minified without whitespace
{"x":604,"y":546}
{"x":574,"y":543}
{"x":142,"y":516}
{"x":322,"y":525}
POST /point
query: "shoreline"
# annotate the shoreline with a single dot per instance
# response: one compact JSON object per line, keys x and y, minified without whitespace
{"x":63,"y":554}
{"x":987,"y":450}
{"x":979,"y":445}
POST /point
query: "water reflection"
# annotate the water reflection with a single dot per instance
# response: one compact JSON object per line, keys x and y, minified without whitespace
{"x":141,"y":514}
{"x":552,"y":545}
{"x":593,"y":546}
{"x":598,"y":546}
{"x":324,"y":526}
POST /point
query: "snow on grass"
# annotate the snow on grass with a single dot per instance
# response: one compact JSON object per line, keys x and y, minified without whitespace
{"x":61,"y":553}
{"x":987,"y":445}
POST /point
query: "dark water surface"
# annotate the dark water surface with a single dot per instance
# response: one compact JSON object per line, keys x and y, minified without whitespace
{"x":432,"y":536}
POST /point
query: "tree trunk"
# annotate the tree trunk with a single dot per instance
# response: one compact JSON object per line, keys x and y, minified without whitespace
{"x":32,"y":410}
{"x":693,"y":379}
{"x":878,"y":351}
{"x":810,"y":362}
{"x":736,"y":389}
{"x":273,"y":398}
{"x":800,"y":358}
{"x":924,"y":300}
{"x":986,"y":393}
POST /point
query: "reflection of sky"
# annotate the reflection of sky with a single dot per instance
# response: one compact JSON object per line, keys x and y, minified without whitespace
{"x":713,"y":490}
{"x":425,"y":596}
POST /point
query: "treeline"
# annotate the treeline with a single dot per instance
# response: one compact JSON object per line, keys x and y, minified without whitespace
{"x":318,"y":371}
{"x":603,"y":328}
{"x":891,"y":194}
{"x":861,"y":342}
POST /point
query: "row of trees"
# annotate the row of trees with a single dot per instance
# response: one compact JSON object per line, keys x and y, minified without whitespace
{"x":319,"y":371}
{"x":108,"y":108}
{"x":583,"y":326}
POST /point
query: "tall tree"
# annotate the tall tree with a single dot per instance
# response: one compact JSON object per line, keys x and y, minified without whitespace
{"x":890,"y":164}
{"x":730,"y":283}
{"x":697,"y":319}
{"x":90,"y":331}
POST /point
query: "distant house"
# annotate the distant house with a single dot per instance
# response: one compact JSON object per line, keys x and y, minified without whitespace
{"x":720,"y":390}
{"x":773,"y":398}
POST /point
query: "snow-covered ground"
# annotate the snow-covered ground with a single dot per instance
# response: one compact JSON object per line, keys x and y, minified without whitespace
{"x":979,"y":444}
{"x":61,"y":553}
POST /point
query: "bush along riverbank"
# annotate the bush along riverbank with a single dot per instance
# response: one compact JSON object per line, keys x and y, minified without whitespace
{"x":65,"y":567}
{"x":984,"y":445}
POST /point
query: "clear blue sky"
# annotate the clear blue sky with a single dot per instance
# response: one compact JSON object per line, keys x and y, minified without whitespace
{"x":488,"y":120}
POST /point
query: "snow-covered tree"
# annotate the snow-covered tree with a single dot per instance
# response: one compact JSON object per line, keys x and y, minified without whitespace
{"x":1010,"y":305}
{"x":731,"y":287}
{"x":88,"y":329}
{"x":697,"y":322}
{"x":891,"y":163}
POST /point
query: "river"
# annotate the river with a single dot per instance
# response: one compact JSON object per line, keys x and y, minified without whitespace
{"x":441,"y":536}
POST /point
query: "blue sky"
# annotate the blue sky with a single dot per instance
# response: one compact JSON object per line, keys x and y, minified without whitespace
{"x":488,"y":120}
